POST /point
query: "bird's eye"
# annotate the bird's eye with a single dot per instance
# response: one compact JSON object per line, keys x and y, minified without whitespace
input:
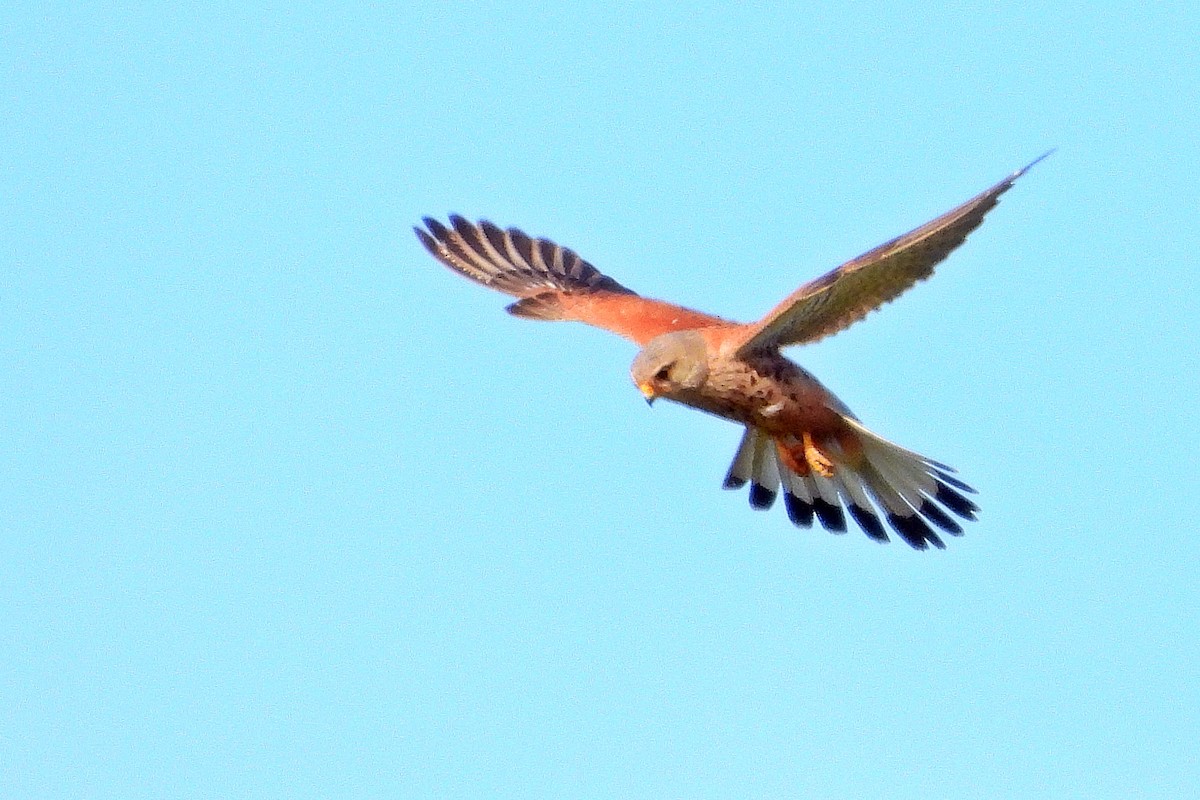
{"x":663,"y":374}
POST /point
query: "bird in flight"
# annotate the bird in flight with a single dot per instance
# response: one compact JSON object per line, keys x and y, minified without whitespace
{"x":799,"y":437}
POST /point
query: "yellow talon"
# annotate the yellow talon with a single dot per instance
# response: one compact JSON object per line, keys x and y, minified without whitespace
{"x":817,"y":460}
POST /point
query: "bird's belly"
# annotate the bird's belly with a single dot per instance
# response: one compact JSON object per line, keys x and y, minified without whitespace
{"x":779,"y":397}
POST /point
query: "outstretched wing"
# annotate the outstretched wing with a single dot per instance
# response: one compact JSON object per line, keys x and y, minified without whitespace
{"x":845,"y":295}
{"x":552,"y":282}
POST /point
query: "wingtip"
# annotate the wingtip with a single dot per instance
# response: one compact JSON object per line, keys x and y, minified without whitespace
{"x":1034,"y":163}
{"x":426,"y":240}
{"x":436,"y":229}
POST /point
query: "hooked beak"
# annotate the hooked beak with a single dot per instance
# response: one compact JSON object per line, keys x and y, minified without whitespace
{"x":648,"y":391}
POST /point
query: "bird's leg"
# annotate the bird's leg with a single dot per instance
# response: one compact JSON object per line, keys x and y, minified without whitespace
{"x":787,"y":456}
{"x":803,"y":456}
{"x":816,"y":460}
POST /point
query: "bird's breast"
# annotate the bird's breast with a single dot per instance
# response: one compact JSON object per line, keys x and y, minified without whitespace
{"x":771,"y":393}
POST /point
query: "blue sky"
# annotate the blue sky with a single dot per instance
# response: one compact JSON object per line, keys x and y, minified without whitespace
{"x":290,"y":510}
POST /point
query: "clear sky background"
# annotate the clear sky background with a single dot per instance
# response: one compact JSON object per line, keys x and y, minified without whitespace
{"x":290,"y":510}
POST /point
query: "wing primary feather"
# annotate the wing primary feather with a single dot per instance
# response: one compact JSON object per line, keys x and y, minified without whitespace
{"x":493,"y":242}
{"x":511,"y":261}
{"x":494,"y":239}
{"x":575,"y":270}
{"x":446,"y":248}
{"x":475,"y":243}
{"x":546,"y":254}
{"x":508,"y":238}
{"x":556,"y":259}
{"x":458,"y":242}
{"x":523,"y":245}
{"x":428,"y":242}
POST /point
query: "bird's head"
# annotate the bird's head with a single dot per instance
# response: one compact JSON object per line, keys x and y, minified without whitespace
{"x":670,"y":364}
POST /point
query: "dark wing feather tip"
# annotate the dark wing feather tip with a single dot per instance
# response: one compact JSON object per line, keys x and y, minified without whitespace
{"x":1033,"y":163}
{"x":436,"y":228}
{"x":428,"y":241}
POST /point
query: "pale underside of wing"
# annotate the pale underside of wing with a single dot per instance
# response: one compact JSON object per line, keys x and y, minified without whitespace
{"x":845,"y":295}
{"x":551,"y":282}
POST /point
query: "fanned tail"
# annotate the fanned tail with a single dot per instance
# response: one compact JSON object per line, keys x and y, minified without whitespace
{"x":856,"y":471}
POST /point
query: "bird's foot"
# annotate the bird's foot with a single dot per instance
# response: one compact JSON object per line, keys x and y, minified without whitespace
{"x":817,"y":461}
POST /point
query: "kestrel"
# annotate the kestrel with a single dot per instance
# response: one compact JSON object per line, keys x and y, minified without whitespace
{"x":798,"y":435}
